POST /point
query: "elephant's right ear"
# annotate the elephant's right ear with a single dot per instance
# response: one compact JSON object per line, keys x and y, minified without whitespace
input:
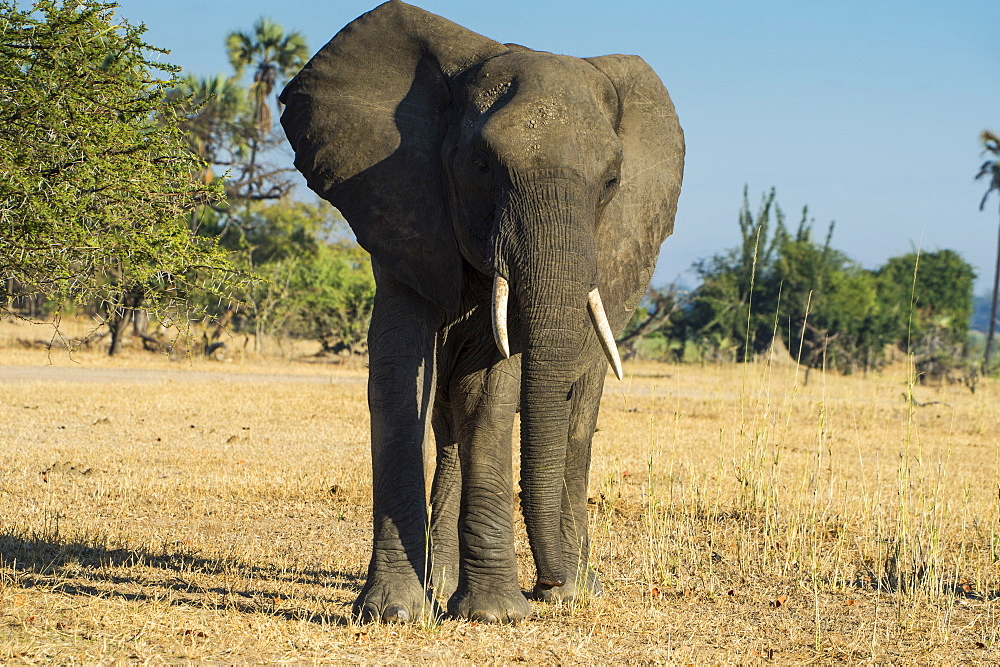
{"x":366,"y":119}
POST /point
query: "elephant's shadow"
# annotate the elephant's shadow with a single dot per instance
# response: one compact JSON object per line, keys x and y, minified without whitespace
{"x":95,"y":570}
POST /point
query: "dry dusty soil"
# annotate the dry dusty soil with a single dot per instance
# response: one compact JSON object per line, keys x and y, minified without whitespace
{"x":194,"y":510}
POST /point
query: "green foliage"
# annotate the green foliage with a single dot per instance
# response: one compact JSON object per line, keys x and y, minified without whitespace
{"x":929,"y":291}
{"x":263,"y":232}
{"x":96,"y":179}
{"x":336,"y":293}
{"x":927,"y":302}
{"x":734,"y":305}
{"x":229,"y":125}
{"x":656,"y":328}
{"x":318,"y":283}
{"x":826,"y":308}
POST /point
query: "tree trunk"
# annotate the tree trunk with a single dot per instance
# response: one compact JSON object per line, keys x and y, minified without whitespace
{"x":223,"y":323}
{"x":120,"y":316}
{"x":991,"y":326}
{"x":140,"y":323}
{"x":117,"y":322}
{"x":664,"y":305}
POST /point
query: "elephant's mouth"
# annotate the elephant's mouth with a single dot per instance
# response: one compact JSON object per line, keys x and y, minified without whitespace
{"x":595,"y":307}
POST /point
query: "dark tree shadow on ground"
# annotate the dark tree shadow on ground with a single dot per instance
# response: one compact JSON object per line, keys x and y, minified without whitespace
{"x":38,"y":563}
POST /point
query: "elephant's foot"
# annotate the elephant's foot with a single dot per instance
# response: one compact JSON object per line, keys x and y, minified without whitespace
{"x":490,"y":606}
{"x":393,"y":599}
{"x":571,"y":591}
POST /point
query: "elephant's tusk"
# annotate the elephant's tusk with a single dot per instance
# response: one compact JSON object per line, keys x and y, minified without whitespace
{"x":501,"y":290}
{"x":600,"y":320}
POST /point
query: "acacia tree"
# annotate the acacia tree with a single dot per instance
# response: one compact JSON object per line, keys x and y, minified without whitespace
{"x":96,"y":178}
{"x":991,"y":171}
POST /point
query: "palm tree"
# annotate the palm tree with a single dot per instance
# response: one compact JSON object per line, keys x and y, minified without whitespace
{"x":991,"y":170}
{"x":275,"y":57}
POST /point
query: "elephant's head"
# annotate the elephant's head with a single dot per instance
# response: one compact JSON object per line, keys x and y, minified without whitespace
{"x":448,"y":152}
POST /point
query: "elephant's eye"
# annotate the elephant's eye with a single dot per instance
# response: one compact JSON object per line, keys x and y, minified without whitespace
{"x":610,"y":188}
{"x":481,"y":163}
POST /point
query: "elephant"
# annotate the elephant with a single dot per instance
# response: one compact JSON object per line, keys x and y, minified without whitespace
{"x":514,"y":203}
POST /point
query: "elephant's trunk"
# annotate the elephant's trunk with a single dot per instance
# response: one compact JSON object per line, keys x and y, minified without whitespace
{"x":552,"y":265}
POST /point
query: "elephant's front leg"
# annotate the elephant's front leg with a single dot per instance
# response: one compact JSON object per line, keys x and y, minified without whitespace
{"x":585,"y":404}
{"x":484,"y":403}
{"x":446,"y":495}
{"x":400,"y":390}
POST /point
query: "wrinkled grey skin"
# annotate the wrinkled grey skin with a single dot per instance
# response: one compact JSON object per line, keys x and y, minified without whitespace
{"x":455,"y":158}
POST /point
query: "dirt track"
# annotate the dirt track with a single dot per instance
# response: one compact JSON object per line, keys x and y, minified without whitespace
{"x":86,"y":374}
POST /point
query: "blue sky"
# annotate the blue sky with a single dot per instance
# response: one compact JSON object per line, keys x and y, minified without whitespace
{"x":867,"y":112}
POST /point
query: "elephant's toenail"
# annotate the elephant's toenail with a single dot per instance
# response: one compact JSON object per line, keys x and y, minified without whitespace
{"x":368,"y":613}
{"x":395,"y":613}
{"x":484,"y":617}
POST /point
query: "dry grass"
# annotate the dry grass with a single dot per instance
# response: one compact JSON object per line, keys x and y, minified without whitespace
{"x":163,"y":511}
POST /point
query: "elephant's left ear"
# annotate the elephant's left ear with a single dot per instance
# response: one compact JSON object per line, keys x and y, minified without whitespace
{"x":641,"y":215}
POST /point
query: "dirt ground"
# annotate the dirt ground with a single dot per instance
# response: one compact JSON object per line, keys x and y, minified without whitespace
{"x":162,"y":510}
